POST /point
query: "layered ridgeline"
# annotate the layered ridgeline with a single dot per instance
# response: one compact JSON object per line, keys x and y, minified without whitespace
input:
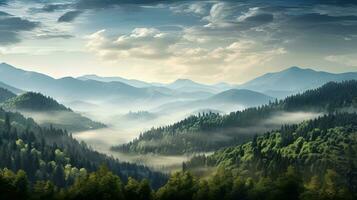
{"x":322,"y":152}
{"x":10,"y":88}
{"x":48,"y":112}
{"x":52,"y":154}
{"x":211,"y":131}
{"x":293,"y":80}
{"x":226,"y":101}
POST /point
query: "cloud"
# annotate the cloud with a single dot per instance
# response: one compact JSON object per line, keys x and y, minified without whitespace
{"x":98,"y":4}
{"x":348,"y":59}
{"x":69,"y":16}
{"x":141,"y":43}
{"x":197,"y":8}
{"x":55,"y":7}
{"x":3,"y":2}
{"x":12,"y":26}
{"x":53,"y":36}
{"x":238,"y":55}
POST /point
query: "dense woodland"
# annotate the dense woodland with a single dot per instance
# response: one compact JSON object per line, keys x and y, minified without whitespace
{"x":310,"y":161}
{"x":52,"y":154}
{"x":33,"y":101}
{"x":211,"y":131}
{"x":313,"y":160}
{"x":5,"y":94}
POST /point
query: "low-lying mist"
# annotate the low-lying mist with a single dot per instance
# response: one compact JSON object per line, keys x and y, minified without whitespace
{"x":122,"y":129}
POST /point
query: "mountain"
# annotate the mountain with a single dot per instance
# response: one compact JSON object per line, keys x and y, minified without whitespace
{"x":187,"y":85}
{"x":10,"y":88}
{"x":211,"y":131}
{"x":227,"y":101}
{"x":5,"y":94}
{"x":132,"y":82}
{"x":48,"y":112}
{"x":69,"y":88}
{"x":244,"y":97}
{"x":294,"y":80}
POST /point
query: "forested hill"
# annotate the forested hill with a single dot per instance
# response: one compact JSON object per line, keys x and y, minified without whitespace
{"x":315,"y":160}
{"x":31,"y":101}
{"x":210,"y":131}
{"x":317,"y":149}
{"x":48,"y":112}
{"x":52,"y":154}
{"x":5,"y":94}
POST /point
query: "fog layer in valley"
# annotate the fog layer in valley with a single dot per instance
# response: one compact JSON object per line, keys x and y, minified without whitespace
{"x":123,"y":127}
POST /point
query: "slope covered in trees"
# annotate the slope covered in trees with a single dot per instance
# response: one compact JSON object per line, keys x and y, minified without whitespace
{"x":5,"y":94}
{"x":326,"y":146}
{"x":31,"y":101}
{"x":314,"y":160}
{"x":210,"y":131}
{"x":48,"y":112}
{"x":52,"y":154}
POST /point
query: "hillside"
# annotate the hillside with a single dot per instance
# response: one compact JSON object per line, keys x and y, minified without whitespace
{"x":294,"y":80}
{"x":212,"y":131}
{"x":132,"y":82}
{"x":5,"y":94}
{"x":227,"y":101}
{"x":53,"y":154}
{"x":10,"y":88}
{"x":244,"y":97}
{"x":48,"y":112}
{"x":31,"y":101}
{"x":321,"y":152}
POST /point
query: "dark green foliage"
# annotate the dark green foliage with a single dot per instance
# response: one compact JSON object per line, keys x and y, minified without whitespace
{"x":32,"y":101}
{"x":52,"y":154}
{"x":322,"y":151}
{"x":5,"y":95}
{"x":210,"y":131}
{"x":48,"y":112}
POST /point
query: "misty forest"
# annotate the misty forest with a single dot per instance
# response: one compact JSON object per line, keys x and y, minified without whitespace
{"x":178,"y":100}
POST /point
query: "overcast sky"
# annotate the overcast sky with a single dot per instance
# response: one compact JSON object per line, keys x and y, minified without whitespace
{"x":153,"y":40}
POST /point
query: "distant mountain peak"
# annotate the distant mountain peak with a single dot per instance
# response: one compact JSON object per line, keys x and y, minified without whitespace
{"x":183,"y":80}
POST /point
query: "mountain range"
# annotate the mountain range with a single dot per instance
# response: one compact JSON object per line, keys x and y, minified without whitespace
{"x":182,"y":94}
{"x":294,"y":80}
{"x":226,"y":101}
{"x":210,"y":131}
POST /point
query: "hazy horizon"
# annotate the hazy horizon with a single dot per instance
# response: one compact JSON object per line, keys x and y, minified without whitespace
{"x":226,"y":41}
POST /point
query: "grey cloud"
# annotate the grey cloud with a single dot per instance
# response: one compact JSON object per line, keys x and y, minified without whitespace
{"x":69,"y":16}
{"x":54,"y":36}
{"x":11,"y":26}
{"x":260,"y":19}
{"x":55,"y":7}
{"x":94,"y":4}
{"x":3,"y":2}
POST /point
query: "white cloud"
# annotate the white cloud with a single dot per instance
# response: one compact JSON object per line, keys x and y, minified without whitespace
{"x":250,"y":13}
{"x":347,"y":59}
{"x":182,"y":55}
{"x":141,"y":43}
{"x":219,"y":16}
{"x":197,"y":8}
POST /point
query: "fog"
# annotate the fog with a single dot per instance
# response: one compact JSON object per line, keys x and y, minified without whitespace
{"x":121,"y":130}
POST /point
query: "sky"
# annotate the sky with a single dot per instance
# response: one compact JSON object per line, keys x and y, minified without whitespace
{"x":161,"y":41}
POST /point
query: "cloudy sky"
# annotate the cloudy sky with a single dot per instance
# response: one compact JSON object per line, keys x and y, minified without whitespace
{"x":158,"y":40}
